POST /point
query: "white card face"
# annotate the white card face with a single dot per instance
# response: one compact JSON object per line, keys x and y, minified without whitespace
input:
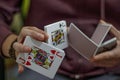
{"x":80,"y":42}
{"x":57,"y":34}
{"x":44,"y":58}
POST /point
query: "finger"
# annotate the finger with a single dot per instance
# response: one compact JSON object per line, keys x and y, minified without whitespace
{"x":106,"y":63}
{"x":39,"y":31}
{"x":20,"y":68}
{"x":105,"y":59}
{"x":103,"y":22}
{"x":103,"y":64}
{"x":115,"y":32}
{"x":20,"y":48}
{"x":103,"y":56}
{"x":32,"y":33}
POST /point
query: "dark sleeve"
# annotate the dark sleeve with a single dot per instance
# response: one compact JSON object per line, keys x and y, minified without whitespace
{"x":7,"y":9}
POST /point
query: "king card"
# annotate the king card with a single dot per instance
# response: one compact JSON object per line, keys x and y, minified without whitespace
{"x":43,"y":58}
{"x":57,"y":34}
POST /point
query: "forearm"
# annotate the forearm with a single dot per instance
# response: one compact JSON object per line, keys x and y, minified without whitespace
{"x":7,"y":44}
{"x":7,"y":10}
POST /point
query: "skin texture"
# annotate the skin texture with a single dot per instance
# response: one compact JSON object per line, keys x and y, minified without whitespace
{"x":105,"y":59}
{"x":109,"y":58}
{"x":34,"y":32}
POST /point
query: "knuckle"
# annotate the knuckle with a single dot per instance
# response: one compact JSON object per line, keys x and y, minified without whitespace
{"x":15,"y":45}
{"x":32,"y":33}
{"x":33,"y":27}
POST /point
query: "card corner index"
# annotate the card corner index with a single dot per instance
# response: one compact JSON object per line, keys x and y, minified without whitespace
{"x":42,"y":53}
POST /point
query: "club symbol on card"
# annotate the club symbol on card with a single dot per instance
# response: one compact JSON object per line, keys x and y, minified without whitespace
{"x":61,"y":25}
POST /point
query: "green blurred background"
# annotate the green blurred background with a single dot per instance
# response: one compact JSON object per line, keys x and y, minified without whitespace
{"x":16,"y":25}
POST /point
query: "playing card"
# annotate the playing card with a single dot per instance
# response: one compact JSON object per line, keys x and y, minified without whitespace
{"x":107,"y":45}
{"x":43,"y":58}
{"x":101,"y":32}
{"x":89,"y":47}
{"x":80,"y":42}
{"x":57,"y":34}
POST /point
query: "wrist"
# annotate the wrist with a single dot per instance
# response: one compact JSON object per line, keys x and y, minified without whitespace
{"x":7,"y":45}
{"x":12,"y":50}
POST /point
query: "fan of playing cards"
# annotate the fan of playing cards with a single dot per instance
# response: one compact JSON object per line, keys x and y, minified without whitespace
{"x":45,"y":58}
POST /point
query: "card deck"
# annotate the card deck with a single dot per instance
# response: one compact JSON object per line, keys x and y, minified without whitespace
{"x":80,"y":42}
{"x":108,"y":45}
{"x":89,"y":47}
{"x":100,"y":32}
{"x":43,"y":58}
{"x":57,"y":34}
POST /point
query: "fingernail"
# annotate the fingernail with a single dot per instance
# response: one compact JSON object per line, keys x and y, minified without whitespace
{"x":27,"y":48}
{"x":20,"y":69}
{"x":41,"y":36}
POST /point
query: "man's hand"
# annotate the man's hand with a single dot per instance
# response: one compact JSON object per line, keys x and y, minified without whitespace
{"x":35,"y":33}
{"x":112,"y":57}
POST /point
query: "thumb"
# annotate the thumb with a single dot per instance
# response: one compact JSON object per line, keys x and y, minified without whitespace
{"x":20,"y":68}
{"x":115,"y":32}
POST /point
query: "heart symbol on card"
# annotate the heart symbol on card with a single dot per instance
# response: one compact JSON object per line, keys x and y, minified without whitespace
{"x":53,"y":51}
{"x":29,"y":57}
{"x":52,"y":57}
{"x":28,"y":63}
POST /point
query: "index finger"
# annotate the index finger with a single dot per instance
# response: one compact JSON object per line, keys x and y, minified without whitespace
{"x":115,"y":32}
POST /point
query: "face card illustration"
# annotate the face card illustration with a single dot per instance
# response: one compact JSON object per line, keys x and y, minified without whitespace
{"x":57,"y":37}
{"x":57,"y":34}
{"x":43,"y":58}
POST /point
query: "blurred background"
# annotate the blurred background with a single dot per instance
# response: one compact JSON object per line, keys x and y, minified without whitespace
{"x":10,"y":66}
